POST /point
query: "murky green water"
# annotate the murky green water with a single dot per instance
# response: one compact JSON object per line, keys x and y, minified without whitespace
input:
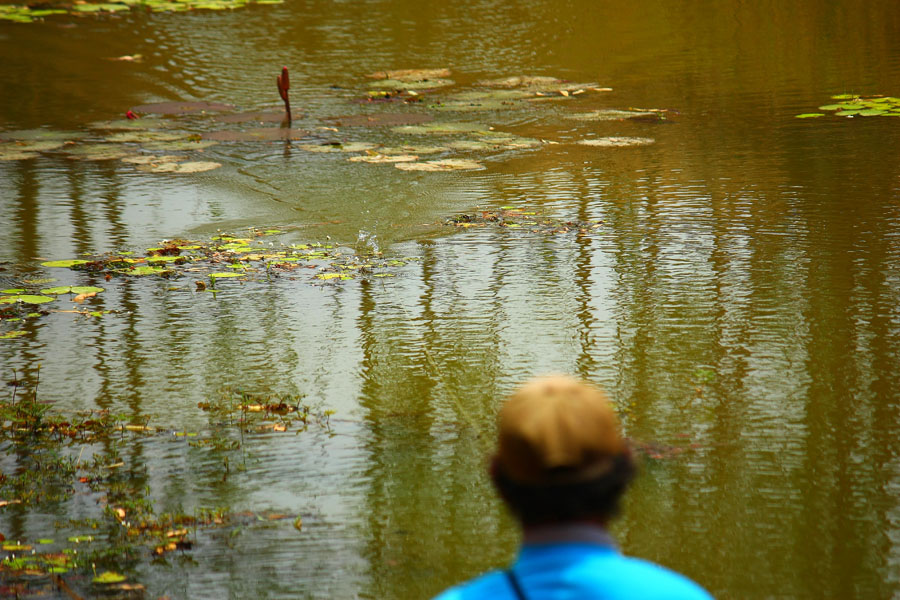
{"x":740,"y":299}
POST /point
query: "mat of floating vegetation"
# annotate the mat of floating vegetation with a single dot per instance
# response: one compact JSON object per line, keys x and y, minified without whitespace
{"x":448,"y":164}
{"x":514,"y":218}
{"x":411,"y":74}
{"x":853,"y":105}
{"x":380,"y":120}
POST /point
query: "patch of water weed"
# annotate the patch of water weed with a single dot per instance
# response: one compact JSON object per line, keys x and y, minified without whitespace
{"x":853,"y":105}
{"x":84,"y":454}
{"x":526,"y":220}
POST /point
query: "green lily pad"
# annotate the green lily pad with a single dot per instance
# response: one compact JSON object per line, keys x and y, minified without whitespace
{"x":223,"y":275}
{"x":415,"y":150}
{"x":86,"y":289}
{"x":383,"y":158}
{"x":98,"y":152}
{"x":64,"y":263}
{"x":178,"y":146}
{"x":154,"y":159}
{"x":41,"y":134}
{"x":11,"y":335}
{"x":410,"y":74}
{"x":55,"y":291}
{"x":397,"y":84}
{"x":109,"y":577}
{"x":145,"y":136}
{"x":442,"y":128}
{"x":449,"y":164}
{"x":809,"y":115}
{"x":26,"y":299}
{"x":12,"y":291}
{"x":185,"y":167}
{"x":143,"y":270}
{"x":132,"y":124}
{"x":617,"y":142}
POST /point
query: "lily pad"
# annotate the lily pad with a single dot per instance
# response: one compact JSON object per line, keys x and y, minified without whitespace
{"x":154,"y":159}
{"x":610,"y":114}
{"x":383,"y":158}
{"x":132,"y":124}
{"x":8,"y":152}
{"x":410,"y":74}
{"x":617,"y":142}
{"x":64,"y":263}
{"x":26,"y":299}
{"x":185,"y":167}
{"x":9,"y":335}
{"x":449,"y":164}
{"x":55,"y":291}
{"x":86,"y":289}
{"x":226,"y":275}
{"x":145,"y":136}
{"x":414,"y":150}
{"x":178,"y":146}
{"x":181,"y":108}
{"x":538,"y":84}
{"x":142,"y":271}
{"x":810,"y":115}
{"x":98,"y":152}
{"x":41,"y":134}
{"x":397,"y":84}
{"x":109,"y":577}
{"x":12,"y":291}
{"x":381,"y":120}
{"x":442,"y":128}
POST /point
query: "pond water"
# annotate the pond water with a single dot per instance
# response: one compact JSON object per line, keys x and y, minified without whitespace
{"x":740,"y":298}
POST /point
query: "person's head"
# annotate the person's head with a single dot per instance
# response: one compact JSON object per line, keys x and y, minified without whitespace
{"x":560,"y":456}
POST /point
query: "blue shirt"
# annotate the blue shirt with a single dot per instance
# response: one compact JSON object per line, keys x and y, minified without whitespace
{"x":580,"y":571}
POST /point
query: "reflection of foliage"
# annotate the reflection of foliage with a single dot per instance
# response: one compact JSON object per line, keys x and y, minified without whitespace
{"x":22,"y":13}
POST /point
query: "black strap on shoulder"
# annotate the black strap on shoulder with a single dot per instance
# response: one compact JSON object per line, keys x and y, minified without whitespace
{"x":515,"y":585}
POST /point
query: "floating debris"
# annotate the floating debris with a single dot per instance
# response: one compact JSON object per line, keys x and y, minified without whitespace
{"x":448,"y":164}
{"x":617,"y":142}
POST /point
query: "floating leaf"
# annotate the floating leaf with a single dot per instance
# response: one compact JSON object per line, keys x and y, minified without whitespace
{"x":132,"y":124}
{"x":224,"y":275}
{"x":810,"y":115}
{"x":145,"y":136}
{"x":55,"y":291}
{"x":41,"y":134}
{"x":12,"y":291}
{"x":185,"y":167}
{"x":383,"y":158}
{"x":178,"y":146}
{"x":86,"y":289}
{"x":410,"y":74}
{"x":617,"y":142}
{"x":154,"y":159}
{"x":415,"y":150}
{"x":397,"y":84}
{"x":141,"y":271}
{"x":64,"y":263}
{"x":442,"y":128}
{"x":109,"y":577}
{"x":10,"y":335}
{"x":449,"y":164}
{"x":26,"y":299}
{"x":98,"y":152}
